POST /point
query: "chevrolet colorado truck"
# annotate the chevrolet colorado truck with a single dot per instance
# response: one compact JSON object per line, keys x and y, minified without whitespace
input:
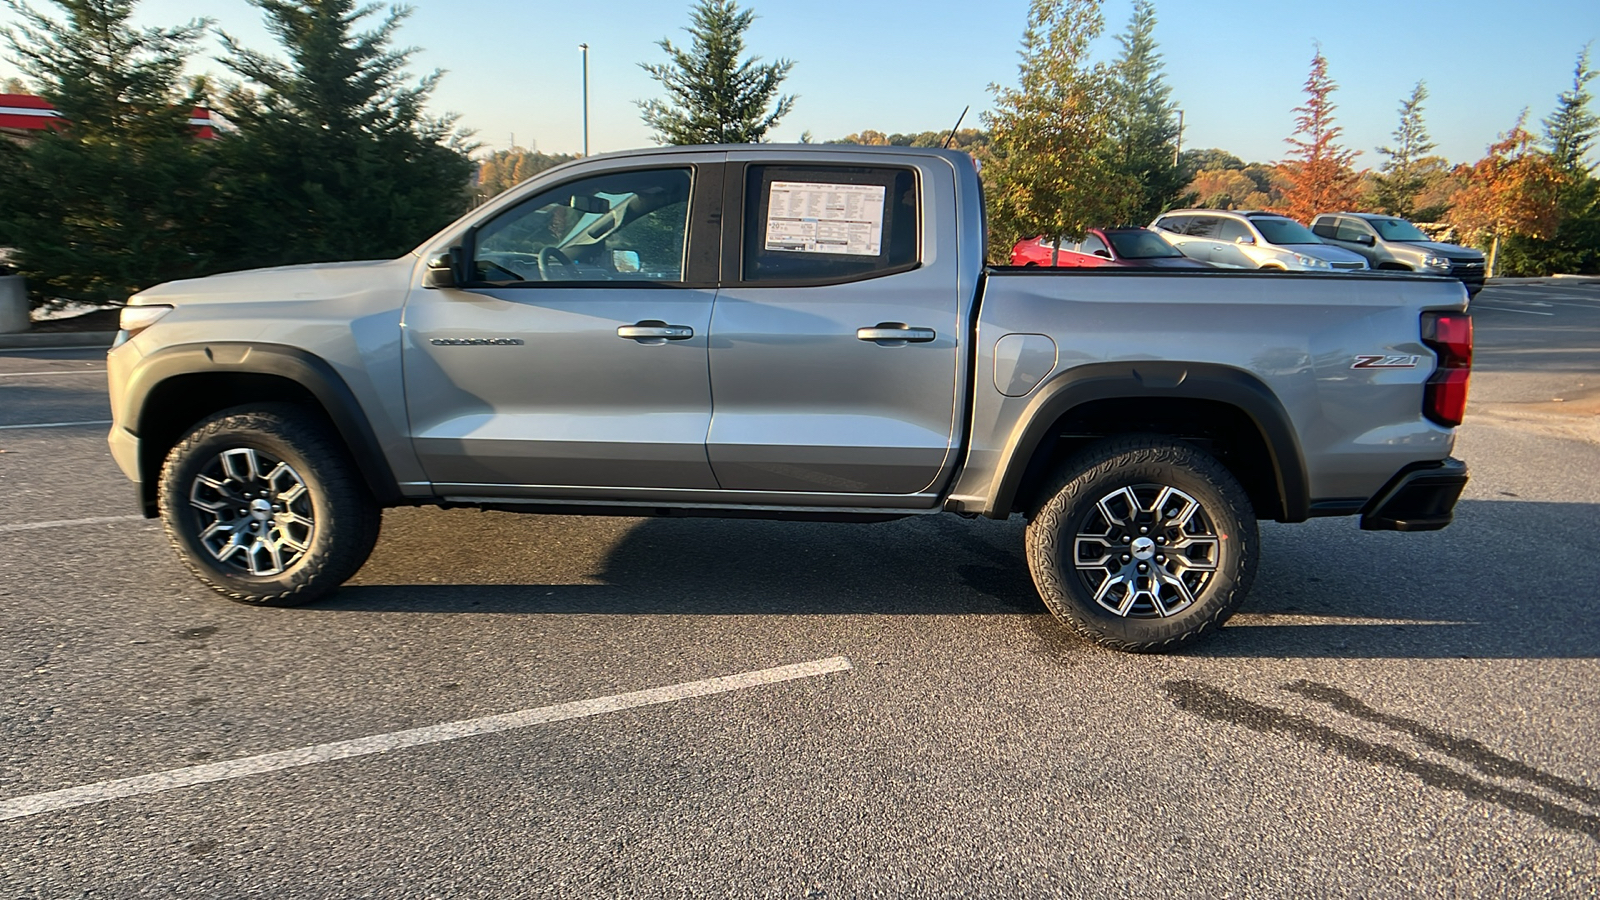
{"x":790,"y":332}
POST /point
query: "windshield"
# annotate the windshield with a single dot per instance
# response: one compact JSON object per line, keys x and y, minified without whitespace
{"x":1397,"y":230}
{"x":1283,"y":231}
{"x":1141,"y":244}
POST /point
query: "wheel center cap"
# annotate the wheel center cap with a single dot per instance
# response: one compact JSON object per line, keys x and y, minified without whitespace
{"x":1143,"y":548}
{"x":260,"y":510}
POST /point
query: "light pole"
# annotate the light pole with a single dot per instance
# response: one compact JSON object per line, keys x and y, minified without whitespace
{"x":585,"y":49}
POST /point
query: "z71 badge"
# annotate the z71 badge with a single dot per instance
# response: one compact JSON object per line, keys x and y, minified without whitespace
{"x":1385,"y":362}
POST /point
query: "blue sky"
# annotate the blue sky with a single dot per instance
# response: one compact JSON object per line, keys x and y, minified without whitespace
{"x":1237,"y":70}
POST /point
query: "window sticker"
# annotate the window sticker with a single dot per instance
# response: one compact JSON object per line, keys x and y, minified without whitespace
{"x":810,"y":217}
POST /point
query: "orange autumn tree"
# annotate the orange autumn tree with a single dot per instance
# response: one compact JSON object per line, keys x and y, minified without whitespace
{"x":1319,"y":173}
{"x":1512,"y":191}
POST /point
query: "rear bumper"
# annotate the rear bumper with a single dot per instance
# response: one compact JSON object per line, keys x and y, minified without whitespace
{"x":1421,"y":497}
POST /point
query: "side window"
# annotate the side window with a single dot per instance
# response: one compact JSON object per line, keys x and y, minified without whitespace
{"x":1233,"y":229}
{"x":1351,"y":229}
{"x":1174,"y":224}
{"x":1325,"y":227}
{"x":829,"y":223}
{"x":1203,"y":226}
{"x":1093,"y":245}
{"x":621,"y":226}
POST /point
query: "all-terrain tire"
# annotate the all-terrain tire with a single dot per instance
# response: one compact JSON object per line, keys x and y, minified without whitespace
{"x":1112,"y":583}
{"x":264,"y":504}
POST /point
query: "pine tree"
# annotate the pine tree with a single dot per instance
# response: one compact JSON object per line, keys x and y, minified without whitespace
{"x":1052,"y":168}
{"x":335,"y":157}
{"x":1319,"y":172}
{"x":1400,"y":180}
{"x":1569,"y":132}
{"x":1144,"y":126}
{"x":116,"y":198}
{"x":713,"y":97}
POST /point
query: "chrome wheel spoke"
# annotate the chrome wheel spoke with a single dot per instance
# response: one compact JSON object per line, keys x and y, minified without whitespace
{"x":253,"y":512}
{"x":1146,"y":551}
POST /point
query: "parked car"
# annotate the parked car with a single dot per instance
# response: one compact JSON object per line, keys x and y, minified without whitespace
{"x":1392,"y":244}
{"x":790,"y":332}
{"x":1252,"y":240}
{"x":1132,"y":247}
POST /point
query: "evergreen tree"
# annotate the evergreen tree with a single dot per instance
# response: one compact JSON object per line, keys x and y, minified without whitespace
{"x":1144,"y":124}
{"x":1511,"y":192}
{"x":1569,"y":132}
{"x":1053,"y":168}
{"x":1401,"y":179}
{"x":713,"y":97}
{"x":1319,"y":172}
{"x":115,"y":198}
{"x":335,"y":157}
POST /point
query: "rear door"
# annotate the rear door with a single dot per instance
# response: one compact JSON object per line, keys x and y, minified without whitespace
{"x":836,"y":334}
{"x":1233,"y":240}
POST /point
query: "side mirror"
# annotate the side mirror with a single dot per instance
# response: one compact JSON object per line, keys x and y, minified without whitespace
{"x":1103,"y":253}
{"x":444,"y":270}
{"x":1366,"y":240}
{"x":625,"y":261}
{"x":1244,"y":239}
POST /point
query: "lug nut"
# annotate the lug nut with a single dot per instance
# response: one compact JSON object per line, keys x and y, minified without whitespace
{"x":1126,"y":539}
{"x":1161,"y":540}
{"x":1143,"y":567}
{"x":1144,"y":529}
{"x":1161,"y":559}
{"x":1126,"y":557}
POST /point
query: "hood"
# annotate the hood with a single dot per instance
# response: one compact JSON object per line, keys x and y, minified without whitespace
{"x":1448,"y":251}
{"x":317,"y":281}
{"x":1325,"y":251}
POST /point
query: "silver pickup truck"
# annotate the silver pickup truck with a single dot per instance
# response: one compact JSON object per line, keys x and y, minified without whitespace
{"x":791,"y":332}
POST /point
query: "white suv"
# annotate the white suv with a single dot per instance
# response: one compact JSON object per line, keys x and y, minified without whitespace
{"x":1252,"y":240}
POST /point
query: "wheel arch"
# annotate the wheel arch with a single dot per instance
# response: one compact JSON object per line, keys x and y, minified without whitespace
{"x":1228,"y":411}
{"x":177,"y":386}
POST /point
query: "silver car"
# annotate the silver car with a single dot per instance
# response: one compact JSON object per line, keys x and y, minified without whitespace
{"x":1238,"y":239}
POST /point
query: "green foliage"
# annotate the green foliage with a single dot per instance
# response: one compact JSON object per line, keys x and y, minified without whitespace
{"x":1195,"y":161}
{"x":1053,"y":168}
{"x":1144,"y":126}
{"x":972,"y":140}
{"x":1569,"y":132}
{"x":117,"y":199}
{"x":1402,"y":177}
{"x":713,"y":97}
{"x":334,"y":157}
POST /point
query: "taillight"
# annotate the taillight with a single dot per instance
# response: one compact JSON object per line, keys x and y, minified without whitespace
{"x":1449,"y":336}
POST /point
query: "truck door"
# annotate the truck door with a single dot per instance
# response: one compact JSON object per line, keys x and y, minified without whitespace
{"x":836,"y":334}
{"x":574,"y":356}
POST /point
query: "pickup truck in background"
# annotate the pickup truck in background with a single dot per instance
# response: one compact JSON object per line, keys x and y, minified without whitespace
{"x":1395,"y":245}
{"x":804,"y":332}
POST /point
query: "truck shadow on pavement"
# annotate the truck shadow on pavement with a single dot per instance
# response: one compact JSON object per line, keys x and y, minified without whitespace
{"x":1509,"y":579}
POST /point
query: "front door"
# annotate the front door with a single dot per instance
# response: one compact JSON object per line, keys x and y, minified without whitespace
{"x":835,"y":341}
{"x":574,"y":358}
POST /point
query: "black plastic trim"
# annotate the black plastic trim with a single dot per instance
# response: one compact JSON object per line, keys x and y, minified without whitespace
{"x":1171,"y":380}
{"x":1420,"y":497}
{"x":305,"y":369}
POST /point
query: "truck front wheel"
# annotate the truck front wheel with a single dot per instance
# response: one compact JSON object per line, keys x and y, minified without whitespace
{"x":1144,"y":544}
{"x":266,"y":507}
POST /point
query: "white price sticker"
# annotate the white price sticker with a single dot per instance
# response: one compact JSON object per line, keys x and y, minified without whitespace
{"x":810,"y":217}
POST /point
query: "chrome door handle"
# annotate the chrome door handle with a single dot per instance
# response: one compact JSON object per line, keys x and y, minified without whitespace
{"x":894,"y":334}
{"x":654,"y":331}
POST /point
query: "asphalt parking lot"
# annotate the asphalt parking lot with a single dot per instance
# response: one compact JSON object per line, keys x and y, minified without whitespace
{"x":505,"y":705}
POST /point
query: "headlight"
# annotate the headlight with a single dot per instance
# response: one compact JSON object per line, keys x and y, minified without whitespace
{"x":1311,"y":262}
{"x":1436,"y":262}
{"x":135,"y":319}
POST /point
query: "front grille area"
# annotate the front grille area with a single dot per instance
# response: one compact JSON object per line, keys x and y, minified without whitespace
{"x":1348,"y":265}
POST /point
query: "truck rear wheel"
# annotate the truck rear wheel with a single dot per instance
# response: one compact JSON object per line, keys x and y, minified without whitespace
{"x":1144,"y":544}
{"x":265,"y":506}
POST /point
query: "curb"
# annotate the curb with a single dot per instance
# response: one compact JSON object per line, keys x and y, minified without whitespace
{"x":94,"y":340}
{"x":1549,"y":279}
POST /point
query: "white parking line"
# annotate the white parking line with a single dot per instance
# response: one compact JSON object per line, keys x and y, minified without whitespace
{"x":52,"y":372}
{"x":100,"y":792}
{"x":57,"y":424}
{"x":1526,"y":312}
{"x":67,"y":523}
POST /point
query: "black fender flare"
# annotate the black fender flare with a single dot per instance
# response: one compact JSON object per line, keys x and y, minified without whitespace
{"x":305,"y":369}
{"x":1159,"y":379}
